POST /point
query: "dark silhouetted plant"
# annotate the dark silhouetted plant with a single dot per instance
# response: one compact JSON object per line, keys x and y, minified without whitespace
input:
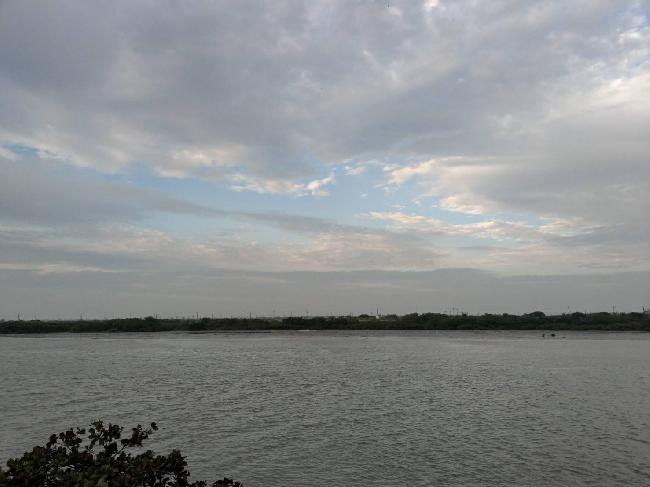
{"x":101,"y":459}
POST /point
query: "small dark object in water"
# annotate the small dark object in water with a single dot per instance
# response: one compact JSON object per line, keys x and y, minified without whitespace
{"x":553,"y":335}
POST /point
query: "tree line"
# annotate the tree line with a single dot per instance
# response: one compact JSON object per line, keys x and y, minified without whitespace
{"x":536,"y":320}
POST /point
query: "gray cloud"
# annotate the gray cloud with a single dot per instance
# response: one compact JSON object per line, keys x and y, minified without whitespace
{"x":554,"y":96}
{"x":55,"y":221}
{"x":268,"y":87}
{"x":227,"y":292}
{"x":539,"y":110}
{"x":32,"y":193}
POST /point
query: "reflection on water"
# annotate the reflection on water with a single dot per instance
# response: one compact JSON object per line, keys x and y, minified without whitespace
{"x":368,"y":408}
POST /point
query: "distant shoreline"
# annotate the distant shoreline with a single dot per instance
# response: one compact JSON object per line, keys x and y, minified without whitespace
{"x":536,"y":321}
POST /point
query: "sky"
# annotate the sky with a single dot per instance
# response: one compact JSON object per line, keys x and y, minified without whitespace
{"x":323,"y":157}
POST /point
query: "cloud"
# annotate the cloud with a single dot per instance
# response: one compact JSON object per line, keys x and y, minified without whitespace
{"x":462,"y":203}
{"x":401,"y":175}
{"x":56,"y":220}
{"x":274,"y":186}
{"x":227,"y":293}
{"x":552,"y":245}
{"x":399,"y":217}
{"x":524,"y":124}
{"x":497,"y":230}
{"x":122,"y":248}
{"x":355,"y":170}
{"x":271,"y":88}
{"x":33,"y":194}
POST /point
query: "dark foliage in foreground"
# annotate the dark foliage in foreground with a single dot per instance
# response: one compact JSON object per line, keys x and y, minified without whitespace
{"x":100,"y":460}
{"x":414,"y":321}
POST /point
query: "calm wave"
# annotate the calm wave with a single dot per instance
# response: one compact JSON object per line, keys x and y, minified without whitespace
{"x":353,"y":409}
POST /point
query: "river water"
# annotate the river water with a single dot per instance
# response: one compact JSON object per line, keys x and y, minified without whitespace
{"x":350,"y":409}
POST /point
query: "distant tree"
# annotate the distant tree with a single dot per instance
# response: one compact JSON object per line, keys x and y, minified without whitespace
{"x":100,"y":460}
{"x":536,"y":314}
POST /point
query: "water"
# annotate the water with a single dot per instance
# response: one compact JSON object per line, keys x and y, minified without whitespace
{"x":353,"y":409}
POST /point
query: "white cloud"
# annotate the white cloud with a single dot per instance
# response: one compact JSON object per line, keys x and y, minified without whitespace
{"x":491,"y":229}
{"x":403,"y":218}
{"x":462,"y":204}
{"x":429,"y":5}
{"x":355,"y":170}
{"x":401,"y":175}
{"x":316,"y":187}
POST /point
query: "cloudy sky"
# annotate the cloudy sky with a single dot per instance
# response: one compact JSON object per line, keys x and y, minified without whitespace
{"x":331,"y":156}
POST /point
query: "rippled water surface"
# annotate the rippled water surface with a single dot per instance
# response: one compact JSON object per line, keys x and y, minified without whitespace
{"x":353,"y":409}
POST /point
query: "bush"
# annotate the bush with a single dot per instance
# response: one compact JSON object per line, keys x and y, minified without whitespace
{"x":100,"y":460}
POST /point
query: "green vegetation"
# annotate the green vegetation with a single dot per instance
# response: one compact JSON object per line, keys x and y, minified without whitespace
{"x":414,"y":321}
{"x":101,"y":459}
